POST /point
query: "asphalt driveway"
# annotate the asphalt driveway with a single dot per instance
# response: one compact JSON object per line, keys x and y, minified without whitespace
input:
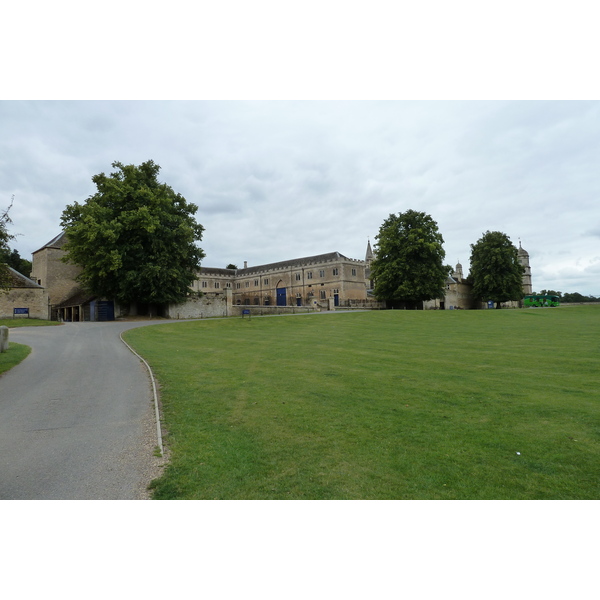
{"x":76,"y":416}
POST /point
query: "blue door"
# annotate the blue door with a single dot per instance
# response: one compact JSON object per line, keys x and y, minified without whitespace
{"x":336,"y":299}
{"x":281,"y":298}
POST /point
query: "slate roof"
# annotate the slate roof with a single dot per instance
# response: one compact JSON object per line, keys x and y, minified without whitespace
{"x":294,"y":262}
{"x":18,"y":280}
{"x":77,"y":299}
{"x":56,"y":242}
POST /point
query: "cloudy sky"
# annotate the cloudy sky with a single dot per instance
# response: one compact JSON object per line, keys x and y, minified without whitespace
{"x":282,"y":179}
{"x":298,"y":130}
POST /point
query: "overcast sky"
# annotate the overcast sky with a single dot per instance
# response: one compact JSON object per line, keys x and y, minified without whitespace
{"x":275,"y":180}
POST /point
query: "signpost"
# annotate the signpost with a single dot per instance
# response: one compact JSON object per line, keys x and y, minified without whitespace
{"x":246,"y":312}
{"x":20,"y":311}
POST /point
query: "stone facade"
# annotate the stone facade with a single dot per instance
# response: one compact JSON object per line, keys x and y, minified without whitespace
{"x":24,"y":293}
{"x":313,"y":281}
{"x":50,"y":272}
{"x":321,"y":282}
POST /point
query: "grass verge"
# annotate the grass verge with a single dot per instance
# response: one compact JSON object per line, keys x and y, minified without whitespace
{"x":16,"y":353}
{"x":381,"y":405}
{"x":11,"y":323}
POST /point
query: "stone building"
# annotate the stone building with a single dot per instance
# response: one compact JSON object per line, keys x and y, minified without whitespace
{"x":26,"y":296}
{"x":459,"y":290}
{"x":324,"y":281}
{"x":68,"y":302}
{"x":321,"y":280}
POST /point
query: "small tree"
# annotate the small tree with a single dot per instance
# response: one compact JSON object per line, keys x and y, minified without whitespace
{"x":5,"y":237}
{"x":496,"y":272}
{"x":408,"y":265}
{"x":134,"y":238}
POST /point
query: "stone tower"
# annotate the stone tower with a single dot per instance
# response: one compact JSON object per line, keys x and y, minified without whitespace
{"x":524,"y":260}
{"x":458,"y":273}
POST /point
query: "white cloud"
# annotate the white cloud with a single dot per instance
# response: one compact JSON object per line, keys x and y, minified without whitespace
{"x":276,"y":180}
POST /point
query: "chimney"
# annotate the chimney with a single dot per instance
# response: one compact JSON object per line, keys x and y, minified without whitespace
{"x":245,"y":264}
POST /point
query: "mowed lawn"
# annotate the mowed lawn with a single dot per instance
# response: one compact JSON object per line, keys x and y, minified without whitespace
{"x":496,"y":404}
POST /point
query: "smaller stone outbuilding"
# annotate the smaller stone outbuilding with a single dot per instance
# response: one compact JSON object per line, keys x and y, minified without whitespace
{"x":24,"y":298}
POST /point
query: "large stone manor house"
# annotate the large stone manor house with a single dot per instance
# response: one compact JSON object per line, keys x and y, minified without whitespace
{"x":312,"y":283}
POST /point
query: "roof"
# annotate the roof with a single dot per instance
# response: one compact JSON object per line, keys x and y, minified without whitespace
{"x":77,"y":299}
{"x":295,"y":262}
{"x":56,"y":242}
{"x":18,"y":280}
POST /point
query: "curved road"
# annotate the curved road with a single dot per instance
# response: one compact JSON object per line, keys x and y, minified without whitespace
{"x":76,"y":416}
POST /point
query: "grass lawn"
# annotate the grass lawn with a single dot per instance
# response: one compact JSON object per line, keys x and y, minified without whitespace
{"x":498,"y":404}
{"x":24,"y":322}
{"x":16,"y":353}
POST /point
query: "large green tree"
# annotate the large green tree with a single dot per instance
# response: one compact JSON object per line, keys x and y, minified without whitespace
{"x":135,"y":238}
{"x":496,"y":271}
{"x":409,"y":260}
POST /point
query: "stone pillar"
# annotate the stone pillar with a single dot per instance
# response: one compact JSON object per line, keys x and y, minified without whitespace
{"x":3,"y":338}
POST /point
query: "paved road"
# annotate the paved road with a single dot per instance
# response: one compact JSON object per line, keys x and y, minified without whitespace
{"x":76,"y":416}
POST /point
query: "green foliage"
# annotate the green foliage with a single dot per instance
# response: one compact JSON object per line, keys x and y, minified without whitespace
{"x":5,"y":237}
{"x":13,"y":259}
{"x":378,"y":405}
{"x":134,"y":238}
{"x":577,"y":297}
{"x":495,"y":271}
{"x":409,"y":254}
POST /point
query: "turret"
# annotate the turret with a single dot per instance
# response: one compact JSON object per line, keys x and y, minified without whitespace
{"x":458,"y":272}
{"x":524,"y":260}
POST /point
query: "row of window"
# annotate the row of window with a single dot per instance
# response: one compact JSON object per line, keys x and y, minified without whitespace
{"x":309,"y":275}
{"x":267,"y":300}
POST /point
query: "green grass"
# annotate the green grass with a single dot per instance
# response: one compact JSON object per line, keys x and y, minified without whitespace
{"x":25,"y":322}
{"x":381,"y":405}
{"x":15,"y":354}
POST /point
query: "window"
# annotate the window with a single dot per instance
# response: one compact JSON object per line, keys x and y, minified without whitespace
{"x":309,"y":275}
{"x":205,"y":284}
{"x":265,"y":282}
{"x":322,"y":294}
{"x":353,"y":272}
{"x":238,"y":286}
{"x":297,"y":276}
{"x":336,"y":271}
{"x":322,"y":273}
{"x":247,"y":284}
{"x":228,"y":284}
{"x":217,"y":285}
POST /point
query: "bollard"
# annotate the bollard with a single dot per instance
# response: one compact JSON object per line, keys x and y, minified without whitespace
{"x":3,"y":338}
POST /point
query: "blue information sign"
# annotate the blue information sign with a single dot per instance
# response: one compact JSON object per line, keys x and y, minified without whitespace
{"x":20,"y":311}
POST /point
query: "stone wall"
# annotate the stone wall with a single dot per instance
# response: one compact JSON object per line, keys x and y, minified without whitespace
{"x":57,"y":277}
{"x":203,"y":307}
{"x":35,"y":299}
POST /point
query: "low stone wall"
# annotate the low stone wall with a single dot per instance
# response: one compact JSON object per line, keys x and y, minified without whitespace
{"x":35,"y":299}
{"x":204,"y":307}
{"x":237,"y":310}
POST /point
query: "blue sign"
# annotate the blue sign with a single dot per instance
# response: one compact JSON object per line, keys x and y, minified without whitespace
{"x":20,"y":311}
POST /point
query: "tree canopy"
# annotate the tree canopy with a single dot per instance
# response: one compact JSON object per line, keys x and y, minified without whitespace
{"x":408,"y":266}
{"x":135,"y":238}
{"x":496,"y":271}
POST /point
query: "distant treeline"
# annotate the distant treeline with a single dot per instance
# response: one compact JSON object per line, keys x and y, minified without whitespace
{"x":574,"y":297}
